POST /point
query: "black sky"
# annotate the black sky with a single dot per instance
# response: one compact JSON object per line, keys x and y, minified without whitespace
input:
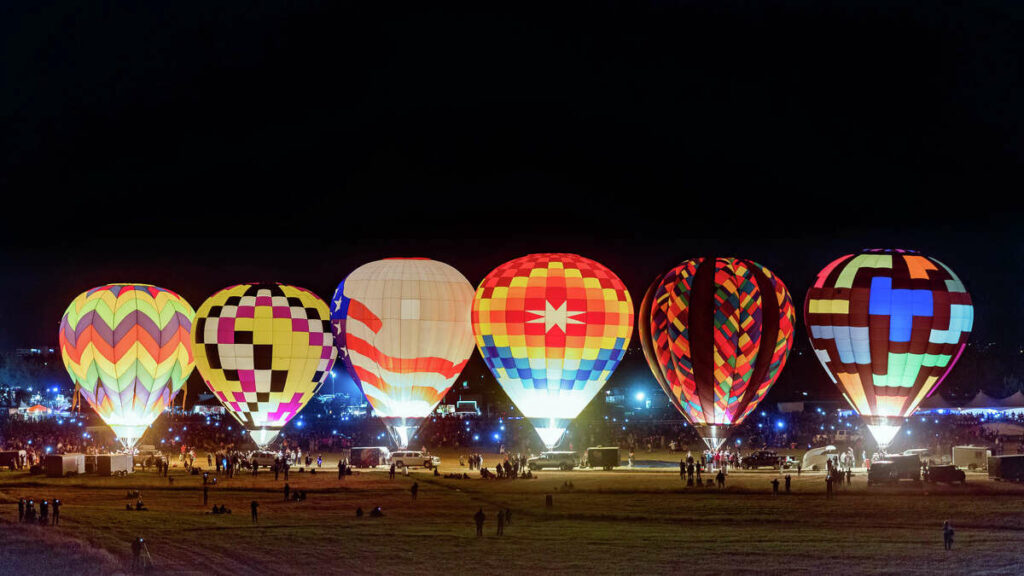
{"x":195,"y":146}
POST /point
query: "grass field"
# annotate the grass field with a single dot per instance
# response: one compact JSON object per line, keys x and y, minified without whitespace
{"x":622,"y":521}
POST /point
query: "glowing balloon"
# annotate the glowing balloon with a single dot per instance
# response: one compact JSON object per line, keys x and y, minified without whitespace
{"x":552,"y":328}
{"x":887,"y":325}
{"x":402,"y":325}
{"x":263,"y":350}
{"x":127,"y":348}
{"x":716,"y":333}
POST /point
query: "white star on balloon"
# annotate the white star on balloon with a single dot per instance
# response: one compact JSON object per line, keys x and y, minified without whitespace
{"x":552,"y":316}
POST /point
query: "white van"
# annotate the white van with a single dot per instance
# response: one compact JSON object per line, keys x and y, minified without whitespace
{"x":413,"y":458}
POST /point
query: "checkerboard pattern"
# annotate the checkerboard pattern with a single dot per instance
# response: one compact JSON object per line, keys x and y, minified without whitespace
{"x":552,"y":328}
{"x":888,"y":326}
{"x":720,"y":332}
{"x":264,"y":350}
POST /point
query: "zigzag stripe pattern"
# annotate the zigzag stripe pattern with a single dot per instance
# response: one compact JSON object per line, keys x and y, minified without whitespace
{"x":127,"y":347}
{"x":709,"y":319}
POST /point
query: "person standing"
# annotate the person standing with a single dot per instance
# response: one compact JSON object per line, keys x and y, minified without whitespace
{"x":21,"y":510}
{"x":788,"y":479}
{"x":415,"y":489}
{"x":828,"y":486}
{"x":341,"y":468}
{"x":479,"y":519}
{"x":56,"y":511}
{"x":501,"y":522}
{"x":254,"y":506}
{"x":947,"y":535}
{"x":391,"y":473}
{"x":287,"y":489}
{"x":206,"y":493}
{"x":775,"y":487}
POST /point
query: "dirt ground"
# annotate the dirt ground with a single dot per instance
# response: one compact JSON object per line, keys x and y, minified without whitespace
{"x":615,"y":522}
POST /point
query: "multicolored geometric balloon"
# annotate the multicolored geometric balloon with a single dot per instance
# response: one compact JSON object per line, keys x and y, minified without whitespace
{"x":263,"y":350}
{"x":127,"y":348}
{"x":887,"y":325}
{"x":402,"y":326}
{"x":552,"y":328}
{"x":718,"y":332}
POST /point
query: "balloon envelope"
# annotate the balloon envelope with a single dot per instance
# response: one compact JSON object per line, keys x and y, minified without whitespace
{"x":887,"y":325}
{"x":717,"y":335}
{"x":552,"y":328}
{"x":127,"y":348}
{"x":263,"y":350}
{"x":402,"y":326}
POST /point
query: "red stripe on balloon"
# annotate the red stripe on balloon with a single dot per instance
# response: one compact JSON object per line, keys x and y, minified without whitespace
{"x":403,"y":365}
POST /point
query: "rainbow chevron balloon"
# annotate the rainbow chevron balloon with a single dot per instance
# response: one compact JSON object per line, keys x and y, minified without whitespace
{"x":127,"y":347}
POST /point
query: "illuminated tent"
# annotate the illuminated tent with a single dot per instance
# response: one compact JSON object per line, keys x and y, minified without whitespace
{"x":716,"y":333}
{"x":127,"y":348}
{"x":888,"y":326}
{"x":552,"y":328}
{"x":402,"y":327}
{"x":38,"y":409}
{"x":263,"y":350}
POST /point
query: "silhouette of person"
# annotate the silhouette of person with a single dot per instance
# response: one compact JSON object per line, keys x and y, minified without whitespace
{"x":56,"y":511}
{"x":287,"y":489}
{"x":254,"y":506}
{"x":206,"y":492}
{"x":788,"y":480}
{"x":415,"y":489}
{"x":501,"y":522}
{"x":775,"y":487}
{"x":479,"y":519}
{"x":947,"y":535}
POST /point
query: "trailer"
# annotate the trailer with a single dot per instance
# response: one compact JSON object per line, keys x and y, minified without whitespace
{"x":1006,"y":467}
{"x":13,"y":459}
{"x":369,"y":456}
{"x":603,"y":457}
{"x":61,"y":465}
{"x":971,"y":457}
{"x":114,"y":464}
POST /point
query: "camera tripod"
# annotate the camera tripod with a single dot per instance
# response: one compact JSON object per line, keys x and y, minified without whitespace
{"x":145,"y":559}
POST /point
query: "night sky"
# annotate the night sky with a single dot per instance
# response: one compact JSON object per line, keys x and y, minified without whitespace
{"x":195,"y":146}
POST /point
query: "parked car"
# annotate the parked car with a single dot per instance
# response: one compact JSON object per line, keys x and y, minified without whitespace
{"x":413,"y":458}
{"x":264,"y":458}
{"x":843,"y":435}
{"x":560,"y":460}
{"x":761,"y":459}
{"x":946,"y":473}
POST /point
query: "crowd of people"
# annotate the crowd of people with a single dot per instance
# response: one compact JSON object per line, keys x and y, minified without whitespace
{"x":222,"y":442}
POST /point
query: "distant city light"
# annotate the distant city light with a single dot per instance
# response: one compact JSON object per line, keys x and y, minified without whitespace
{"x":639,"y":396}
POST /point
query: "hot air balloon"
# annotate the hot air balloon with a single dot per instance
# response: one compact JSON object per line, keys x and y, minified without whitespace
{"x":887,"y":325}
{"x":402,"y":325}
{"x":716,"y":333}
{"x":263,"y":349}
{"x":127,"y":348}
{"x":552,"y":328}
